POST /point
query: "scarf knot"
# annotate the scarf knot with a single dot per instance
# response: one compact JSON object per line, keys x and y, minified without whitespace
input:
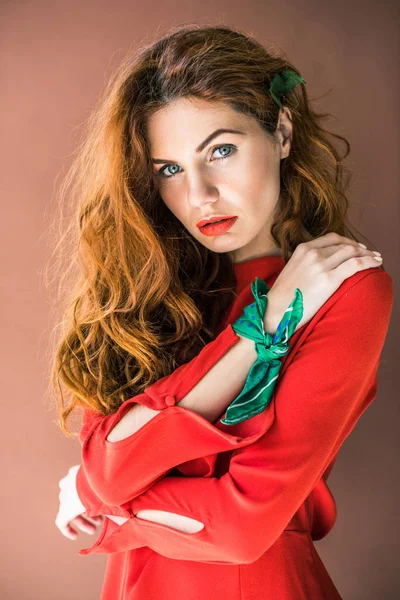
{"x":261,"y":380}
{"x":267,"y":353}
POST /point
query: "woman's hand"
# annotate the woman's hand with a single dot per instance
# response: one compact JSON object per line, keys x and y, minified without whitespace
{"x":317,"y":268}
{"x":71,"y":513}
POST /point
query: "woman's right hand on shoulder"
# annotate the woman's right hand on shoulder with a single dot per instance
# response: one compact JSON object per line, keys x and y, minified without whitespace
{"x":317,"y":268}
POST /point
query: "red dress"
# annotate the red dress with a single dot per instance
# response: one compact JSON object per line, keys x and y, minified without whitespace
{"x":260,"y":486}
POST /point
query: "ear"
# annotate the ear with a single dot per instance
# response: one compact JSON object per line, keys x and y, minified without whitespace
{"x":284,"y":130}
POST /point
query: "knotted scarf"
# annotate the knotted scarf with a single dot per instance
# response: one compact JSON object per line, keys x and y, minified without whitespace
{"x":257,"y":391}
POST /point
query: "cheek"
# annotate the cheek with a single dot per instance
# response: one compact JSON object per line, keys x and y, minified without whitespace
{"x":264,"y":182}
{"x":173,"y":202}
{"x":256,"y":172}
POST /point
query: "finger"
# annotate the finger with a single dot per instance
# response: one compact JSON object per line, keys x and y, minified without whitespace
{"x":353,"y":265}
{"x":335,"y":255}
{"x":343,"y":254}
{"x":97,"y":520}
{"x":83,"y":525}
{"x":94,"y":521}
{"x":68,"y":532}
{"x":331,"y":239}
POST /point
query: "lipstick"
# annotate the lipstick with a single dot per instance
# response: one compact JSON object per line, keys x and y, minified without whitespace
{"x":216,"y":226}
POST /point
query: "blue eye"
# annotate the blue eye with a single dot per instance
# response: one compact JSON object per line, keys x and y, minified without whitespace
{"x":161,"y":172}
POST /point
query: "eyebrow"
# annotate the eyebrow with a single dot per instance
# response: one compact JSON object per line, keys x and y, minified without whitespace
{"x":201,"y":147}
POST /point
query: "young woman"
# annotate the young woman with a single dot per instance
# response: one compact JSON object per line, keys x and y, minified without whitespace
{"x":208,"y":435}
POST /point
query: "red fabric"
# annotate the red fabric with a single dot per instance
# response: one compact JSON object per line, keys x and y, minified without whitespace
{"x":258,"y":486}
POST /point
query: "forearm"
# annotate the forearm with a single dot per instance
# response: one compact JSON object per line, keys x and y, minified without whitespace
{"x":209,"y":397}
{"x":173,"y":520}
{"x":113,"y":473}
{"x":224,"y":381}
{"x":118,"y":520}
{"x":148,"y":426}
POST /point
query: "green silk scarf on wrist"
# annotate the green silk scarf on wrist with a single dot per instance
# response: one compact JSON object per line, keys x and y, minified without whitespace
{"x":261,"y":379}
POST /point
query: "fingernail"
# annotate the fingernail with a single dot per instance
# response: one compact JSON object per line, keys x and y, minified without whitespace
{"x":376,"y":253}
{"x":362,"y":245}
{"x":378,"y":258}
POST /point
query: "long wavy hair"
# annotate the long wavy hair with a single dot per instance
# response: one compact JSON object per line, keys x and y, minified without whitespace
{"x":136,"y":295}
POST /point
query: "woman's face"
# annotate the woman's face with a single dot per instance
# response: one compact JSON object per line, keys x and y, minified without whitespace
{"x":232,"y":174}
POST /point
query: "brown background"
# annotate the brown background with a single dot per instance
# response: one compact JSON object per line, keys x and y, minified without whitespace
{"x":56,"y":58}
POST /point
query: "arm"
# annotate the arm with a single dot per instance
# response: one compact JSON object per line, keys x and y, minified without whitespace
{"x":248,"y":508}
{"x":206,"y":385}
{"x":147,"y":451}
{"x":111,"y":446}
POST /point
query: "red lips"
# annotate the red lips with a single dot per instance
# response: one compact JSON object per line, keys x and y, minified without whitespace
{"x":213,"y":219}
{"x":215,"y":228}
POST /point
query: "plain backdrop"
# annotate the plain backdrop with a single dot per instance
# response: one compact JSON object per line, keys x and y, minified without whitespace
{"x":56,"y":57}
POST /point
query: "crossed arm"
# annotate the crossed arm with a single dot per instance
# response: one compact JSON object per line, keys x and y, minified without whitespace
{"x":207,"y":385}
{"x":282,"y":453}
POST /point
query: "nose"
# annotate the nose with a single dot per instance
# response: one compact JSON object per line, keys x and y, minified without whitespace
{"x":200,"y":190}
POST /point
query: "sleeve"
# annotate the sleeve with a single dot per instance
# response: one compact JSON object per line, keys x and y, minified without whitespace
{"x":112,"y":473}
{"x":328,"y":385}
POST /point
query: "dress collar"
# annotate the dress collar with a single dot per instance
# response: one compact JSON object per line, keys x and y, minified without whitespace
{"x":263,"y":267}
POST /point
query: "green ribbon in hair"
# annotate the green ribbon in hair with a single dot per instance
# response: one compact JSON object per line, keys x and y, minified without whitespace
{"x":283,"y":83}
{"x":257,"y":392}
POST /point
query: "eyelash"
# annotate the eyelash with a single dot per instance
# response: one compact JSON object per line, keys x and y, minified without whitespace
{"x":160,"y":172}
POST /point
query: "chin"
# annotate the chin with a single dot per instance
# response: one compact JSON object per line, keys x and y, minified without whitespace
{"x":221,"y":246}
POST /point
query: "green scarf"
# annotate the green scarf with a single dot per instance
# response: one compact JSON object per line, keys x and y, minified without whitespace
{"x":261,"y":380}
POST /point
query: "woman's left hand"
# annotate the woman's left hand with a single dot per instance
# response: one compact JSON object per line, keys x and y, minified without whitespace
{"x":71,"y":512}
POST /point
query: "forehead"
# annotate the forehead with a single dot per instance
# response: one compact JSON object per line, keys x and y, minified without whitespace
{"x":192,"y":118}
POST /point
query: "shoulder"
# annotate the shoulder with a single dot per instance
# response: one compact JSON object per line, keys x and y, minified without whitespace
{"x":368,"y":292}
{"x":89,"y":419}
{"x":354,"y":320}
{"x":357,"y":315}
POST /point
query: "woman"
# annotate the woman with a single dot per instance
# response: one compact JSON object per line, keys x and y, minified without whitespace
{"x":197,"y":504}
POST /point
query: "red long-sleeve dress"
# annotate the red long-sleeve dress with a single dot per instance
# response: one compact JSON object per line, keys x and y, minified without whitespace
{"x":260,"y":486}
